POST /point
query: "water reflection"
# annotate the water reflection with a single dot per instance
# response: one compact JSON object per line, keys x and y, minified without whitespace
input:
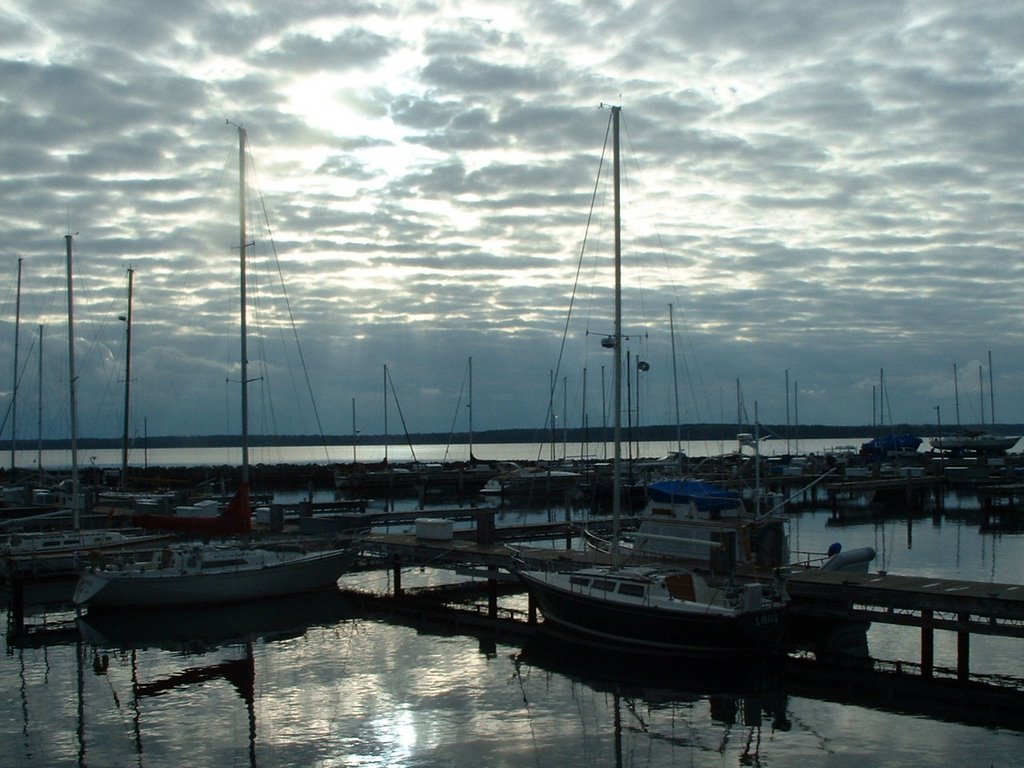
{"x":204,"y":628}
{"x":747,"y":694}
{"x":325,"y":680}
{"x":197,"y":639}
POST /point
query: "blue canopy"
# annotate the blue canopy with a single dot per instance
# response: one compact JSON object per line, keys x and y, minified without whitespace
{"x":707,"y":497}
{"x":890,"y":444}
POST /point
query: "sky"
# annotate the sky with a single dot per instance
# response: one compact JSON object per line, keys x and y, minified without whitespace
{"x":828,"y":196}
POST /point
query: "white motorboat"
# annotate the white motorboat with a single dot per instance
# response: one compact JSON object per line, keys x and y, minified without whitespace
{"x":211,"y":574}
{"x":538,"y":482}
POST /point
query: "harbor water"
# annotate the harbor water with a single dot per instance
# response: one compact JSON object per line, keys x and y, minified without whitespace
{"x":326,"y":680}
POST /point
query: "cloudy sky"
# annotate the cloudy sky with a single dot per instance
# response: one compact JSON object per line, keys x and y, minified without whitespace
{"x":829,"y":194}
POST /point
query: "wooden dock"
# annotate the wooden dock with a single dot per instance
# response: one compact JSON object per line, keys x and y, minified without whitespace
{"x":963,"y":607}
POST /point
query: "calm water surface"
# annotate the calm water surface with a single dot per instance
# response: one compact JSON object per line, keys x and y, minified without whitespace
{"x":316,"y":681}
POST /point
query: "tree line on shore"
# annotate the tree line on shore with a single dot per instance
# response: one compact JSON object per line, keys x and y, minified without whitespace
{"x":594,"y":434}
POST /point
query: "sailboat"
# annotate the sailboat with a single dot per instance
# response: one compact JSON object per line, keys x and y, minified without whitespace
{"x":212,"y":573}
{"x":660,"y":608}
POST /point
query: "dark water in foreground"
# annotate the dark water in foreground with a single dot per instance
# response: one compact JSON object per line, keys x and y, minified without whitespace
{"x":317,"y":681}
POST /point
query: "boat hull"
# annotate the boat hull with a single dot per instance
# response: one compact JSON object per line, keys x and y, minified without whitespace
{"x":651,"y":628}
{"x":110,"y":589}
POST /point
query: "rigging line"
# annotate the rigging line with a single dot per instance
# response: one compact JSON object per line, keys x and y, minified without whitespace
{"x":455,"y":417}
{"x":107,"y":398}
{"x":674,"y":286}
{"x":254,"y":276}
{"x":401,"y":416}
{"x":295,"y":331}
{"x":266,"y":394}
{"x":21,"y":376}
{"x":575,"y":285}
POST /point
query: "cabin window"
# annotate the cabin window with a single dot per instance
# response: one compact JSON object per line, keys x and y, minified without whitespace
{"x":579,"y":581}
{"x":604,"y":585}
{"x":632,"y":590}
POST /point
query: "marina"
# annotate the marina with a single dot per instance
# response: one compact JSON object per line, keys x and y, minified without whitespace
{"x":433,"y":606}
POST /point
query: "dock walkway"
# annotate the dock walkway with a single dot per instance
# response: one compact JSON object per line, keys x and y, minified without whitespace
{"x":964,"y":607}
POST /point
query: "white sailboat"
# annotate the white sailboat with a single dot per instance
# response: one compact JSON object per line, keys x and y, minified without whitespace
{"x":211,"y":574}
{"x":658,"y":608}
{"x":207,"y":574}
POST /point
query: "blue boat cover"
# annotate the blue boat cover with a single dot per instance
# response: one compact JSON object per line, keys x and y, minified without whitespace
{"x":888,"y":444}
{"x":707,"y":497}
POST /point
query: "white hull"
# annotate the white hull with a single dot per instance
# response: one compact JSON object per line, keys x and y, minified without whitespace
{"x":266,"y":574}
{"x":982,"y":443}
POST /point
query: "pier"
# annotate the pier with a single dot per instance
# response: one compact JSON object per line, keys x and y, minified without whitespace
{"x":963,"y":607}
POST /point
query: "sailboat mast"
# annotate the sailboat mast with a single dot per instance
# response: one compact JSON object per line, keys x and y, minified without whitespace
{"x":991,"y":391}
{"x":981,"y":394}
{"x":72,"y":379}
{"x":127,"y":381}
{"x":675,"y":383}
{"x":956,"y":394}
{"x":244,"y":351}
{"x":472,"y":460}
{"x":39,"y":414}
{"x":14,"y":387}
{"x":617,"y":460}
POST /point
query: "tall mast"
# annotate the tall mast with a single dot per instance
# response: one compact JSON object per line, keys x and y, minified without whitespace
{"x":127,"y":381}
{"x":956,"y":394}
{"x":585,"y":444}
{"x":472,"y":460}
{"x":981,"y":394}
{"x":242,"y":243}
{"x":617,"y":461}
{"x":991,"y":391}
{"x":72,"y":378}
{"x":14,"y":388}
{"x":675,"y":383}
{"x":39,"y":419}
{"x":385,"y":415}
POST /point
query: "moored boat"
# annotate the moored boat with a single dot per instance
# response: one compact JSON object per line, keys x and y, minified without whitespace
{"x":977,"y":441}
{"x":211,"y":574}
{"x":667,"y":608}
{"x":537,"y":483}
{"x":657,"y":608}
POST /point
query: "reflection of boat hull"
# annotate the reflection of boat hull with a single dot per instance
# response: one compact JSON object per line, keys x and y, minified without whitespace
{"x":197,"y":627}
{"x":272,"y":574}
{"x":649,"y":626}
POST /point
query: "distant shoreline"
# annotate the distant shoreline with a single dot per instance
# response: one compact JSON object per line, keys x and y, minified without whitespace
{"x":646,"y":433}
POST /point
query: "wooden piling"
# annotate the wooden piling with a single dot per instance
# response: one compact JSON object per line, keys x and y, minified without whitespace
{"x":963,"y":649}
{"x":16,"y":590}
{"x":396,"y":570}
{"x":927,"y":644}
